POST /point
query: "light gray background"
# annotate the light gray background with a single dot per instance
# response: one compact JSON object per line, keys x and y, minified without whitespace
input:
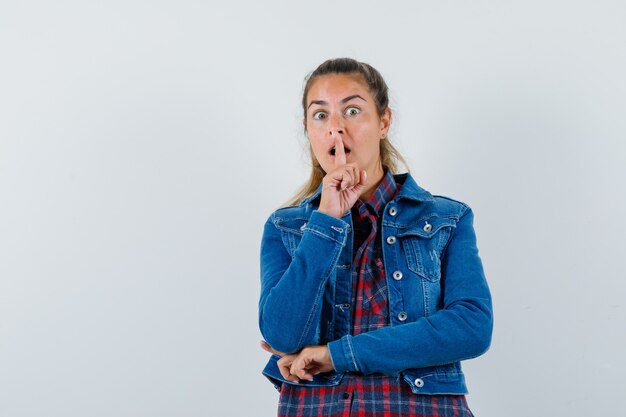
{"x":144,"y":143}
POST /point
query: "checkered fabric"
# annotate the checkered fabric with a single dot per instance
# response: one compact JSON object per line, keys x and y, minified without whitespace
{"x":368,"y":396}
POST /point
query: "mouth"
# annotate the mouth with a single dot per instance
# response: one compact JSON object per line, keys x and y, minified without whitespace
{"x":332,"y":151}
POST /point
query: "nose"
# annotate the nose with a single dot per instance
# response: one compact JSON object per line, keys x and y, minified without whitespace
{"x":336,"y":125}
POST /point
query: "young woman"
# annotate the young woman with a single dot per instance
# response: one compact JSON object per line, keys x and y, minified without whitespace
{"x":372,"y":289}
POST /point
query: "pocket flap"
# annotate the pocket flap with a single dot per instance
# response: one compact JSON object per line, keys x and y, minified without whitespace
{"x":427,"y":228}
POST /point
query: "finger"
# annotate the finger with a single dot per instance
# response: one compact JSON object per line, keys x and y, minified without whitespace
{"x":303,"y":373}
{"x":293,"y":369}
{"x":286,"y":360}
{"x":340,"y":153}
{"x":356,"y":176}
{"x":297,"y":367}
{"x":348,"y":178}
{"x":362,"y":184}
{"x":362,"y":177}
{"x":265,"y":346}
{"x":314,"y":370}
{"x":305,"y":376}
{"x":284,"y":366}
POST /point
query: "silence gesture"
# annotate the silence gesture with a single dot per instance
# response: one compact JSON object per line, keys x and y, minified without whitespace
{"x":343,"y":185}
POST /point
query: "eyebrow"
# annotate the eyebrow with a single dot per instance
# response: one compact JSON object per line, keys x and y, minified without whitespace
{"x":322,"y":102}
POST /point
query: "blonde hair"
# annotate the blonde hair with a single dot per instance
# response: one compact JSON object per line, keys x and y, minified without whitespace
{"x":389,"y":155}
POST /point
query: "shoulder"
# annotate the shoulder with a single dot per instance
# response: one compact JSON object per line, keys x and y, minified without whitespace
{"x":290,"y":212}
{"x":290,"y":218}
{"x":421,"y":200}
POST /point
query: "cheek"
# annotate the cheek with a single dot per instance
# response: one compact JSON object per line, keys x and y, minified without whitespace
{"x":316,"y":144}
{"x":363,"y":127}
{"x":364,"y":134}
{"x":317,"y":150}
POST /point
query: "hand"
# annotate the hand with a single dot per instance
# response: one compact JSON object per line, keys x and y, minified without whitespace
{"x":343,"y":185}
{"x":284,"y":363}
{"x":308,"y":362}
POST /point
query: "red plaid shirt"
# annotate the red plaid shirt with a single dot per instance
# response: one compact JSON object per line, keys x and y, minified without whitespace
{"x":369,"y":395}
{"x":369,"y":287}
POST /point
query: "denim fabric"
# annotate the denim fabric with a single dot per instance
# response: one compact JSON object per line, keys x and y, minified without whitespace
{"x":439,"y":301}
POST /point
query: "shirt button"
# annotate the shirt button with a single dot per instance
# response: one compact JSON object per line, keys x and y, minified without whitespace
{"x":346,"y":395}
{"x":419,"y":383}
{"x":402,"y":316}
{"x":393,"y":211}
{"x":428,"y":227}
{"x":397,"y":275}
{"x":391,"y":240}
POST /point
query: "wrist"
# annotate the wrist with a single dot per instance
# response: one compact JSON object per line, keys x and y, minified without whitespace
{"x":329,"y":211}
{"x":330,"y":357}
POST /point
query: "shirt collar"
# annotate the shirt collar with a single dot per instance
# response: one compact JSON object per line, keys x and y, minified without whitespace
{"x":385,"y":192}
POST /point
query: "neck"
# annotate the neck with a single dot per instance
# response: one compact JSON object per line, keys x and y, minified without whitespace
{"x":373,"y":179}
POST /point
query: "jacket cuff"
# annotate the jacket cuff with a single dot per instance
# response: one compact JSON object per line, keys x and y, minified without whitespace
{"x":342,"y":355}
{"x":328,"y":227}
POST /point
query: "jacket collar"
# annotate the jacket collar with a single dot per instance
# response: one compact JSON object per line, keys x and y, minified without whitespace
{"x":409,"y":190}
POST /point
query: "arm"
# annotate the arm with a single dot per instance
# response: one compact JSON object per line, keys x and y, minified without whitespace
{"x":460,"y":330}
{"x":292,"y":289}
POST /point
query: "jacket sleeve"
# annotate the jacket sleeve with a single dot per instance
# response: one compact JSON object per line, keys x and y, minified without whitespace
{"x":292,"y":289}
{"x":461,"y":330}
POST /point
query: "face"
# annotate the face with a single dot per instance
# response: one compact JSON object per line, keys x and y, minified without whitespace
{"x":343,"y":103}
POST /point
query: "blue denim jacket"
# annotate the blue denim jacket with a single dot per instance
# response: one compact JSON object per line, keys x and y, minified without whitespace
{"x":439,"y":302}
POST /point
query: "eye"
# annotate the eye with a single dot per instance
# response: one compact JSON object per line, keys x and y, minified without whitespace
{"x":319,"y":115}
{"x":353,"y":111}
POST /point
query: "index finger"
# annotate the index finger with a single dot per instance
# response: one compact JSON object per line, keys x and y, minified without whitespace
{"x":340,"y":153}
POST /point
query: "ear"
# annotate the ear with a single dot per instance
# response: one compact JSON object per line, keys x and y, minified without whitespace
{"x":385,"y":122}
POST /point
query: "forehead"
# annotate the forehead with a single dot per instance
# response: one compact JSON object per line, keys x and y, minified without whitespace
{"x":334,"y":87}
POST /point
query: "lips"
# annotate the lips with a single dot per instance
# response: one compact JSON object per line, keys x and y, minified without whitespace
{"x":332,"y":150}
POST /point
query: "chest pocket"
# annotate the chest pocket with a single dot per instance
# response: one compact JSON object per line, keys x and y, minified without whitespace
{"x":423,"y":245}
{"x":292,"y":231}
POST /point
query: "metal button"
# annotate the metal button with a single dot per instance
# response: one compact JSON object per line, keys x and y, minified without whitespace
{"x":393,"y":211}
{"x":402,"y":316}
{"x":391,"y":240}
{"x":428,"y":227}
{"x":419,"y":383}
{"x":302,"y":227}
{"x":397,"y":275}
